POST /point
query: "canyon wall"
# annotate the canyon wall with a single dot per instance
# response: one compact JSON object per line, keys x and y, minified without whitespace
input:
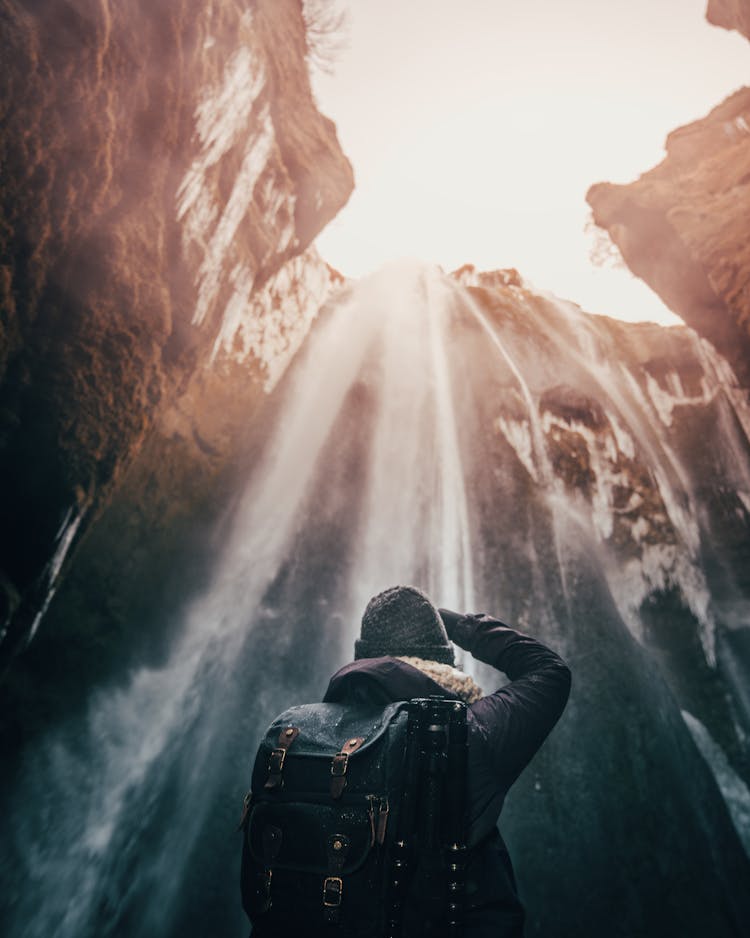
{"x":683,"y":225}
{"x":731,"y":14}
{"x":165,"y":170}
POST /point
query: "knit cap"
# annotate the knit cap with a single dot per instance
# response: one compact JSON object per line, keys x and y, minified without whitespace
{"x":401,"y":621}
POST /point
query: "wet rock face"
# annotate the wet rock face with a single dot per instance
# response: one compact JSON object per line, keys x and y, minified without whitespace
{"x":682,"y":227}
{"x":161,"y":162}
{"x":585,"y":479}
{"x":731,"y":14}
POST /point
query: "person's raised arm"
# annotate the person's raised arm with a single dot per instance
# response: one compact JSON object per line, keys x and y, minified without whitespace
{"x":519,"y":716}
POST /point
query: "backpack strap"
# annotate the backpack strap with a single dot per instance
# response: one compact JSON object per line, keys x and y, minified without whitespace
{"x":271,"y":846}
{"x":277,"y":757}
{"x":339,"y":765}
{"x":401,"y":850}
{"x":337,"y":848}
{"x":247,"y":804}
{"x":455,"y":818}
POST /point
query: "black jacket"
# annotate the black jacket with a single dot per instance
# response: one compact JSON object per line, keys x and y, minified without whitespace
{"x":505,"y":730}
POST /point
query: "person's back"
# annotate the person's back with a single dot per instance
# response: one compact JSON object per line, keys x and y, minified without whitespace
{"x":405,"y":652}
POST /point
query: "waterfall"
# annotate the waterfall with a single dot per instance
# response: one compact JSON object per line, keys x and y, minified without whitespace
{"x":154,"y":738}
{"x":420,"y":437}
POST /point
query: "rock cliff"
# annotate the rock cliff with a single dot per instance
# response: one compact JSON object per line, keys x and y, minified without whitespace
{"x":731,"y":14}
{"x":163,"y":165}
{"x":682,"y":226}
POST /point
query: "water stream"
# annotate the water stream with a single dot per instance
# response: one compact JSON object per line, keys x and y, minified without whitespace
{"x":154,"y":739}
{"x":377,"y":471}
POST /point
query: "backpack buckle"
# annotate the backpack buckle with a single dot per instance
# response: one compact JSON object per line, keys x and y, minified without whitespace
{"x":338,"y":774}
{"x":276,"y":761}
{"x":333,"y":888}
{"x":339,"y":763}
{"x":277,"y":757}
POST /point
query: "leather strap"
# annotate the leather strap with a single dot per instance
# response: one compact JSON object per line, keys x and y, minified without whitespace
{"x":278,"y":755}
{"x":337,"y":848}
{"x":340,"y":763}
{"x":382,"y":822}
{"x":271,"y":839}
{"x":246,"y":806}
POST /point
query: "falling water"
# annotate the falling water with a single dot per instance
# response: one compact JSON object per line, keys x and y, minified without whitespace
{"x":540,"y":467}
{"x":144,"y":752}
{"x":577,"y":339}
{"x":562,"y":514}
{"x":388,"y":462}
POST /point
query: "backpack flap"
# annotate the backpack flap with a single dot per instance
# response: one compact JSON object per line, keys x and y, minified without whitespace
{"x":324,"y":727}
{"x":326,"y":734}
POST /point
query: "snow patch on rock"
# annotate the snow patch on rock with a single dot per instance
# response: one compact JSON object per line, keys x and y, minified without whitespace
{"x":270,"y":325}
{"x":603,"y":451}
{"x":518,"y":435}
{"x":211,"y":271}
{"x":623,"y":439}
{"x":228,"y":116}
{"x":221,"y":117}
{"x":657,"y":567}
{"x":666,"y":399}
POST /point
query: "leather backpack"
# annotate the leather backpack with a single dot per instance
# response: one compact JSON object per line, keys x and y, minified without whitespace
{"x":355,"y":824}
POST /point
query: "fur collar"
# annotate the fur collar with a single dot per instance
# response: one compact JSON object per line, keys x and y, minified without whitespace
{"x":453,"y":680}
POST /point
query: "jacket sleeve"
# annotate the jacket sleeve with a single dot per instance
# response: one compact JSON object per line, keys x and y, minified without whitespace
{"x":518,"y":717}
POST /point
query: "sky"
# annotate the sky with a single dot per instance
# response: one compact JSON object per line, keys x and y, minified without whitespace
{"x":475,"y":129}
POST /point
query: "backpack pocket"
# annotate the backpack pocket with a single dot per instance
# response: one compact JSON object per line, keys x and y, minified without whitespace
{"x":313,"y":838}
{"x":309,"y":864}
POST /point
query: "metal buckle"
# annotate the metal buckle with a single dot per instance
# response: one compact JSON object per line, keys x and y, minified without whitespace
{"x":339,"y":763}
{"x":333,"y":887}
{"x":276,"y":761}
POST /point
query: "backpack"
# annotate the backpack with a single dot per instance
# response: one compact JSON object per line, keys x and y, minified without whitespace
{"x":355,"y":823}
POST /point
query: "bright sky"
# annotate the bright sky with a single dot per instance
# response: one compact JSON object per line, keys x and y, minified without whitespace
{"x":475,"y":129}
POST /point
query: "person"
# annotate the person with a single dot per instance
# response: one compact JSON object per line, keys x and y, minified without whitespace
{"x":404,"y":651}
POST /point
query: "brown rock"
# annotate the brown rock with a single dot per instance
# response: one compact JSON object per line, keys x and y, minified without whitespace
{"x":731,"y":14}
{"x":682,"y":227}
{"x":153,"y":156}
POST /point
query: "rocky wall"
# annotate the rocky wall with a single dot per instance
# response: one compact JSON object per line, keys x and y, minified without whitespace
{"x":731,"y":14}
{"x":162,"y":164}
{"x":682,"y":227}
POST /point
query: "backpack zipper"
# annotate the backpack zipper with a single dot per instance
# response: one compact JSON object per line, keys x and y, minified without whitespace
{"x":372,"y":800}
{"x":382,"y":821}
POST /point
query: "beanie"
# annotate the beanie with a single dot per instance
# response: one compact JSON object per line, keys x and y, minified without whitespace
{"x":402,"y":621}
